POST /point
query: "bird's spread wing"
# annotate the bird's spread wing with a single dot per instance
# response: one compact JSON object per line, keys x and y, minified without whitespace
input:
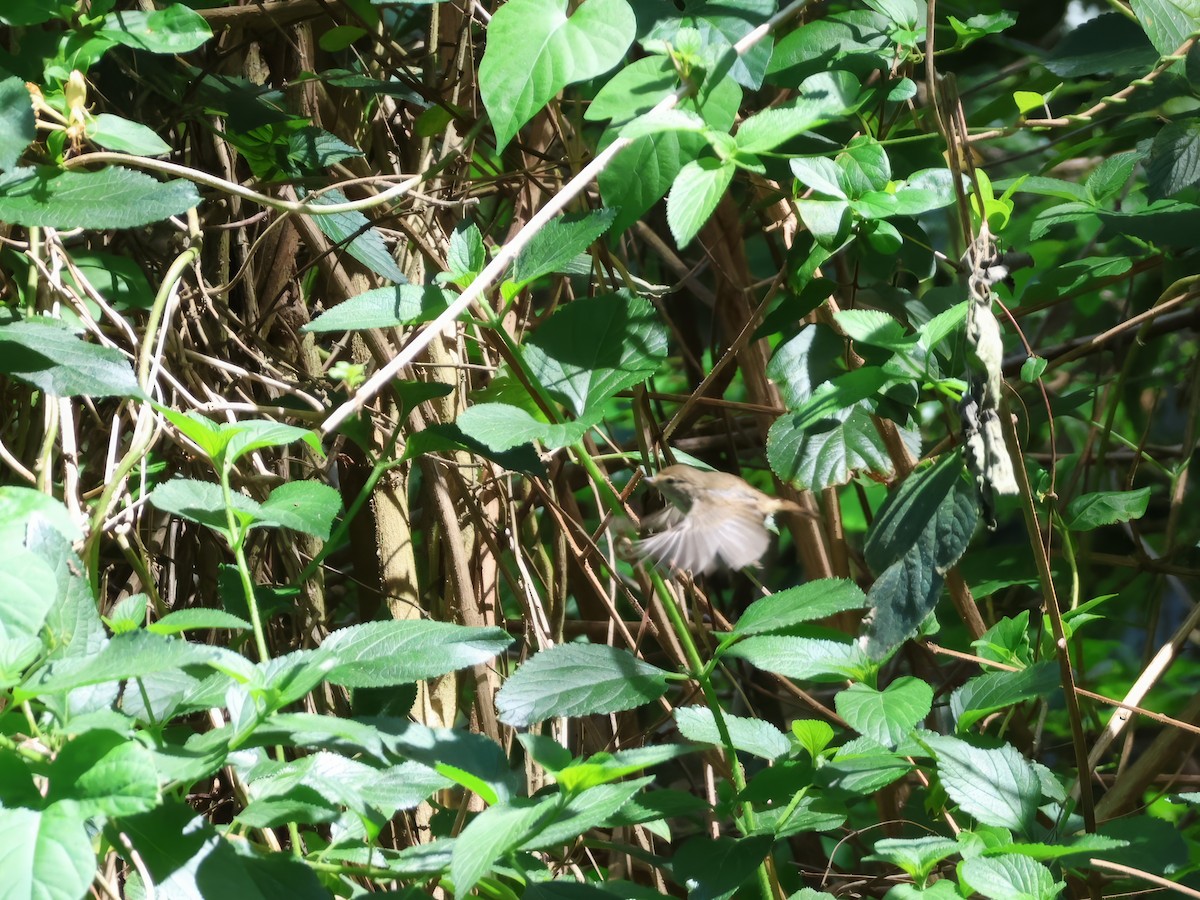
{"x":707,"y":538}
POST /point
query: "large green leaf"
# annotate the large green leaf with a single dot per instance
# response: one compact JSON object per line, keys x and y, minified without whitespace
{"x":385,"y":654}
{"x":823,"y":98}
{"x":1168,"y":23}
{"x":104,"y":773}
{"x":45,"y":353}
{"x":534,"y":50}
{"x":997,"y":786}
{"x":595,"y":346}
{"x":1010,"y":877}
{"x":17,"y":128}
{"x":174,"y":29}
{"x":109,"y":198}
{"x":992,"y":691}
{"x":46,"y":854}
{"x":578,"y":680}
{"x":886,"y":716}
{"x":832,"y":451}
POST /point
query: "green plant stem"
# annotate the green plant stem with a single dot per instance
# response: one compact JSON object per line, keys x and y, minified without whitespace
{"x":237,"y":543}
{"x":144,"y":429}
{"x":702,"y":676}
{"x":1061,"y":649}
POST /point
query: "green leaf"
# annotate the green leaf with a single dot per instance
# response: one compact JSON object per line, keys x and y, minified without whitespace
{"x":124,"y":136}
{"x":130,"y":655}
{"x":886,"y":716}
{"x":203,"y":502}
{"x":578,"y":680}
{"x":175,"y":29}
{"x":920,"y":532}
{"x":1168,"y":23}
{"x":926,"y":190}
{"x":534,"y":50}
{"x":500,"y":427}
{"x":119,"y":280}
{"x":109,"y":198}
{"x":44,"y":353}
{"x":1032,"y":369}
{"x":360,"y":238}
{"x":128,"y":615}
{"x":582,"y":812}
{"x":874,"y":327}
{"x":1010,"y":878}
{"x":997,"y":787}
{"x":830,"y":452}
{"x":46,"y":855}
{"x":181,"y":620}
{"x":823,"y":98}
{"x":305,"y":506}
{"x":466,"y":256}
{"x":384,"y":654}
{"x":1108,"y":179}
{"x":865,"y":165}
{"x":1174,"y":162}
{"x":492,"y":834}
{"x":17,"y":122}
{"x":993,"y":691}
{"x":814,"y":735}
{"x":800,"y":657}
{"x":911,"y":510}
{"x":694,"y":196}
{"x":862,"y":767}
{"x":1090,"y":511}
{"x":1029,"y":101}
{"x":558,"y":243}
{"x":1108,"y":43}
{"x":713,"y":868}
{"x":258,"y":434}
{"x":19,"y":505}
{"x":754,"y":736}
{"x":821,"y":174}
{"x":313,"y":149}
{"x":105,"y":774}
{"x":27,"y":591}
{"x":805,"y":603}
{"x":827,"y":220}
{"x":604,"y":768}
{"x":626,"y":344}
{"x":916,"y":856}
{"x":386,"y":307}
{"x":716,"y":27}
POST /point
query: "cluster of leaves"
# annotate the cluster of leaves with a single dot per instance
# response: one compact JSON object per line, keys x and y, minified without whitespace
{"x":262,"y":739}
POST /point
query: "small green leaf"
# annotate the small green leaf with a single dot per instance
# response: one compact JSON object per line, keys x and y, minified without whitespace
{"x":175,"y":29}
{"x":181,"y":620}
{"x":805,"y":603}
{"x":1032,"y":369}
{"x":800,"y":657}
{"x":305,"y":506}
{"x":916,"y":856}
{"x":814,"y":735}
{"x":993,"y":691}
{"x":886,"y":716}
{"x":1100,"y":508}
{"x":1010,"y":877}
{"x":1029,"y":101}
{"x":386,"y":307}
{"x":762,"y":739}
{"x":124,"y":136}
{"x":694,"y":196}
{"x":558,"y":243}
{"x":578,"y":680}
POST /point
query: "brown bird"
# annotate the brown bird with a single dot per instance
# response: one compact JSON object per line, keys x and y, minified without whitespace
{"x":715,"y":520}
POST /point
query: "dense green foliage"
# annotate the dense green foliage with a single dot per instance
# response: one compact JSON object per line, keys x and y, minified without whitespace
{"x":337,"y":334}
